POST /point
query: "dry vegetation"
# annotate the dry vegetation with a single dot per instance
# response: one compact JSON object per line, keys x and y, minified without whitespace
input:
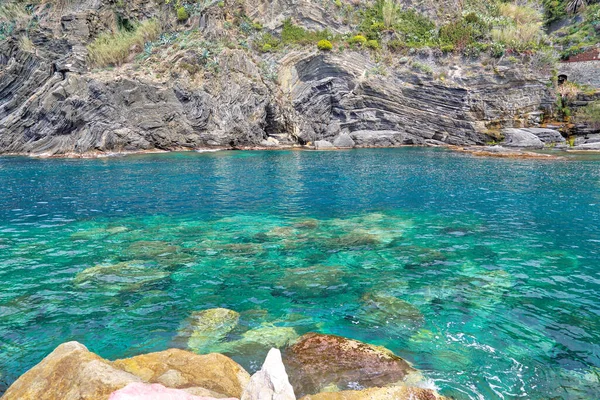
{"x":115,"y":48}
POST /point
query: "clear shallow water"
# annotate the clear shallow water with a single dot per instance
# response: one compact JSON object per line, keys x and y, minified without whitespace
{"x":484,"y":273}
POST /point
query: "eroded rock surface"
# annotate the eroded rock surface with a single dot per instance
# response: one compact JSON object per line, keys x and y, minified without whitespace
{"x":53,"y":103}
{"x":182,"y":369}
{"x":70,"y":372}
{"x":395,"y":393}
{"x":318,"y":361}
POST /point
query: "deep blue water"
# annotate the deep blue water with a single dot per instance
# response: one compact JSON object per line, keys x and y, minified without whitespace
{"x":485,"y":272}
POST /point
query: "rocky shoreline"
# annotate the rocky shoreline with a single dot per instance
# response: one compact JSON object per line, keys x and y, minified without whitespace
{"x":314,"y":367}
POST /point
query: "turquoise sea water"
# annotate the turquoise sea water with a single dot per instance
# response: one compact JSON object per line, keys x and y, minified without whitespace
{"x":484,"y":273}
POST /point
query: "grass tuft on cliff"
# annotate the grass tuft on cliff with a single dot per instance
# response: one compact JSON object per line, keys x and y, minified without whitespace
{"x":115,"y":48}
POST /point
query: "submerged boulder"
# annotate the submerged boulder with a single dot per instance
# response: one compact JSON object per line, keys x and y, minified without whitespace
{"x":70,"y":372}
{"x":318,"y":361}
{"x":260,"y":339}
{"x":121,"y":277}
{"x":271,"y":382}
{"x":183,"y":369}
{"x":385,"y":309}
{"x":204,"y":329}
{"x":387,"y":393}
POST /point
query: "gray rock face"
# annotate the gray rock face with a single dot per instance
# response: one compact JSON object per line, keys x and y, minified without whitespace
{"x":521,"y":138}
{"x":51,"y":103}
{"x":587,"y":139}
{"x":546,"y":135}
{"x":344,"y":141}
{"x":323,"y":145}
{"x":588,"y":146}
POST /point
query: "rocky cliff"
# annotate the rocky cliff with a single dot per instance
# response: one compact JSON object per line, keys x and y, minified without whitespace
{"x":199,"y":85}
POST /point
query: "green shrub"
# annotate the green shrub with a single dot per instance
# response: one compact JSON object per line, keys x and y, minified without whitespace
{"x":182,"y":14}
{"x":372,"y":44}
{"x":416,"y":28}
{"x":358,"y":39}
{"x":447,"y":48}
{"x":497,"y":50}
{"x":590,"y":115}
{"x":472,"y":18}
{"x":459,"y":34}
{"x":291,"y":33}
{"x":266,"y":48}
{"x":266,"y":41}
{"x":324,"y":45}
{"x":395,"y":45}
{"x":114,"y":48}
{"x":422,"y":67}
{"x":338,"y":3}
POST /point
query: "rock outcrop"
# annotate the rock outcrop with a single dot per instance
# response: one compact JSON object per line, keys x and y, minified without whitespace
{"x":70,"y":372}
{"x":181,"y":369}
{"x":319,"y":361}
{"x":395,"y":393}
{"x":521,"y":138}
{"x":53,"y":103}
{"x":145,"y":391}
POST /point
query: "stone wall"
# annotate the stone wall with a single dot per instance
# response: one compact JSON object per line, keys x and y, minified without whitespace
{"x":584,"y":72}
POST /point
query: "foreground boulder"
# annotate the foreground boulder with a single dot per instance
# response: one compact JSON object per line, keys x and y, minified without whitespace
{"x":182,"y":369}
{"x":395,"y":393}
{"x":271,"y":382}
{"x":155,"y":391}
{"x":145,"y":391}
{"x":318,"y":361}
{"x":70,"y":372}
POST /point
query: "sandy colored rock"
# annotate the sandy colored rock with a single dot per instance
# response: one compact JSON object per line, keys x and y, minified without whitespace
{"x":317,"y":361}
{"x":183,"y":369}
{"x":70,"y":372}
{"x":389,"y":393}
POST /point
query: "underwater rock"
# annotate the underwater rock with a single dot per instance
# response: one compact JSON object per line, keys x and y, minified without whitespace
{"x":317,"y":361}
{"x":271,"y":382}
{"x":120,"y":277}
{"x":310,"y":223}
{"x":145,"y":391}
{"x":145,"y":250}
{"x":70,"y":372}
{"x":356,"y":238}
{"x":206,"y":328}
{"x":313,"y":281}
{"x":183,"y":369}
{"x":384,"y":309}
{"x":386,"y":393}
{"x":264,"y":337}
{"x":270,"y":335}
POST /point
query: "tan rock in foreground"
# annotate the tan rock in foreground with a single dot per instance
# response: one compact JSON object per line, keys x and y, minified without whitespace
{"x":389,"y":393}
{"x":183,"y":369}
{"x":70,"y":372}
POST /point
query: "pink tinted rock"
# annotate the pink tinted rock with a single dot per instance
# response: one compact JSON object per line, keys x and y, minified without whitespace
{"x":145,"y":391}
